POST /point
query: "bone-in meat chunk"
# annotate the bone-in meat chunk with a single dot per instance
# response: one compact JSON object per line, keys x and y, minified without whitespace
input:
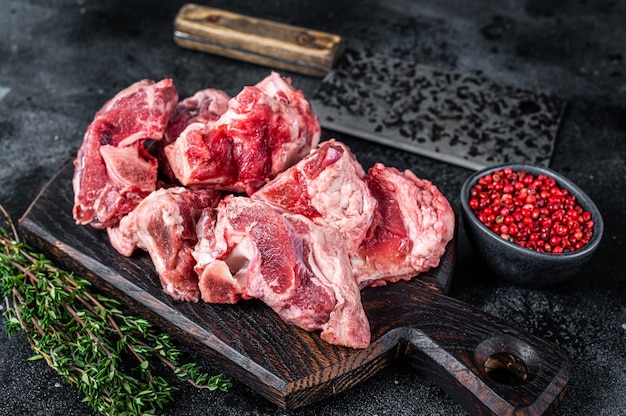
{"x":258,"y":136}
{"x":327,"y":187}
{"x":113,"y":169}
{"x":205,"y":106}
{"x":164,"y":225}
{"x":248,"y":250}
{"x":288,"y":152}
{"x":415,"y":224}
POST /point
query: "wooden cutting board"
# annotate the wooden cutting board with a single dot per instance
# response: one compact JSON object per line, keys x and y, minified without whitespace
{"x":486,"y":365}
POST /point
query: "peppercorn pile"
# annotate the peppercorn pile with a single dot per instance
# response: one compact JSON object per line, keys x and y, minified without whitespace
{"x":531,"y":211}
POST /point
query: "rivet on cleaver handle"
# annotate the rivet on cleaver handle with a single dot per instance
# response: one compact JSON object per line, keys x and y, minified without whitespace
{"x":256,"y":40}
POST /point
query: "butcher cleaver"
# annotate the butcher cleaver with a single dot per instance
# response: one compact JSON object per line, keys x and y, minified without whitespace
{"x":463,"y":119}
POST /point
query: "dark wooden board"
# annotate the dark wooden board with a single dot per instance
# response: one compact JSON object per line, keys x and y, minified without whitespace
{"x":449,"y":341}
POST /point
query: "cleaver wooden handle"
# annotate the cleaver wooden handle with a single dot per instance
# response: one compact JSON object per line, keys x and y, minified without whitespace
{"x":256,"y":40}
{"x":486,"y":365}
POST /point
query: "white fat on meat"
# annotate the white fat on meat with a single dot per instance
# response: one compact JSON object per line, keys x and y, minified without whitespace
{"x":347,"y":324}
{"x":204,"y":106}
{"x":164,"y":225}
{"x":248,"y":250}
{"x":416,"y":223}
{"x":327,"y":187}
{"x":308,"y":127}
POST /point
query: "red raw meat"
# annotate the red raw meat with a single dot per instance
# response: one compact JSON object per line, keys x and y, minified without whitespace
{"x":205,"y":106}
{"x":164,"y":225}
{"x":246,"y":249}
{"x":415,"y":224}
{"x":327,"y":187}
{"x":113,"y":169}
{"x":313,"y":230}
{"x":255,"y":139}
{"x":286,"y":151}
{"x":394,"y":225}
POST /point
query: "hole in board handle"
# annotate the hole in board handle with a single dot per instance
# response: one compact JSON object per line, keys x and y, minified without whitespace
{"x":506,"y":360}
{"x":506,"y":368}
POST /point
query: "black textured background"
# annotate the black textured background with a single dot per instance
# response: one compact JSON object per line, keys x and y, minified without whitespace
{"x":60,"y":60}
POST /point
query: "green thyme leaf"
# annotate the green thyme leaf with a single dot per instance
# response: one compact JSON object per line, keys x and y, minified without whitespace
{"x":86,"y":337}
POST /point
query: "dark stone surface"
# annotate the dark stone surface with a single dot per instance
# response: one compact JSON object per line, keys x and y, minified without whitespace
{"x":60,"y":60}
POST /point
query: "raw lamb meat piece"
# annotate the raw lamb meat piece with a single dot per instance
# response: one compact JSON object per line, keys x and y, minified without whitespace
{"x":255,"y":139}
{"x":286,"y":152}
{"x":164,"y":225}
{"x":246,"y":249}
{"x":203,"y":157}
{"x":113,"y":169}
{"x":327,"y":187}
{"x":233,"y":154}
{"x":415,"y":224}
{"x":205,"y":106}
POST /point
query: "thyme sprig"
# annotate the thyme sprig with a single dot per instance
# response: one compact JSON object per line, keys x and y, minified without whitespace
{"x":108,"y":355}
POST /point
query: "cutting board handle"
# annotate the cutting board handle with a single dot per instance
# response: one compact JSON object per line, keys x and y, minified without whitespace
{"x":487,"y":366}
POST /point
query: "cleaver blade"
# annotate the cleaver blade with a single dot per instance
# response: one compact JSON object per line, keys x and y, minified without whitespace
{"x":462,"y":119}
